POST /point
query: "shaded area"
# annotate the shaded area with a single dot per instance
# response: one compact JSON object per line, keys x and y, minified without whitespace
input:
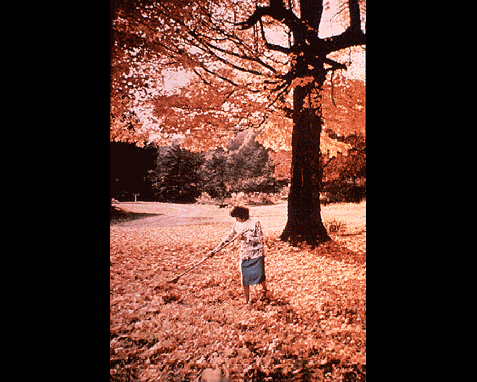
{"x":129,"y":167}
{"x":117,"y":215}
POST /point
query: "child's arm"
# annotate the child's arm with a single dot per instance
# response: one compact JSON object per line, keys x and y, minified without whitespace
{"x":232,"y":235}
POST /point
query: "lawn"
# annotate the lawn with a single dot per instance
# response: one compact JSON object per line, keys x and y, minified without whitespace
{"x":312,"y":327}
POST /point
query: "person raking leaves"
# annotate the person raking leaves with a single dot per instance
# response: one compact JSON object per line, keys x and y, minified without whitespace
{"x":252,"y":254}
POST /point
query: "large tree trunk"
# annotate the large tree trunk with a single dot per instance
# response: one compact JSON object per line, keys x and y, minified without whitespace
{"x":304,"y":210}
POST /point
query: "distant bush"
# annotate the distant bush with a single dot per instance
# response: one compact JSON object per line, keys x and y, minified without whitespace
{"x":260,"y":199}
{"x":344,"y":176}
{"x":244,"y":167}
{"x":335,"y":226}
{"x":343,"y":192}
{"x":205,"y":198}
{"x":251,"y":199}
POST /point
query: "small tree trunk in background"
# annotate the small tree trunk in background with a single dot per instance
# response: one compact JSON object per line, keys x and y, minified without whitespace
{"x":304,"y":210}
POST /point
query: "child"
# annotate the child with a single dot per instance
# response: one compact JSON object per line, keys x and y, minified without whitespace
{"x":252,"y":256}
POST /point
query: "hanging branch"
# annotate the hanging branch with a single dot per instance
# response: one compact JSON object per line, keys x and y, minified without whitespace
{"x":332,"y":88}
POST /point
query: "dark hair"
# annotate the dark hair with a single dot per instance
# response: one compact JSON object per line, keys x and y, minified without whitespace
{"x":240,"y":212}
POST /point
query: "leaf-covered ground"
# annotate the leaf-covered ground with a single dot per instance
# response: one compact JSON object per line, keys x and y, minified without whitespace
{"x":311,"y":327}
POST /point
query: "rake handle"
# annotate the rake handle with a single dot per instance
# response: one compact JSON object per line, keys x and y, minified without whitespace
{"x":213,"y":252}
{"x":188,"y":270}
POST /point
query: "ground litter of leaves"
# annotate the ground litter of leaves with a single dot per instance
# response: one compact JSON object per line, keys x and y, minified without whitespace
{"x":311,"y":326}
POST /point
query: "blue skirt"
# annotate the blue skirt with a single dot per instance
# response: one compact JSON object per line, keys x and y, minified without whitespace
{"x":253,"y":271}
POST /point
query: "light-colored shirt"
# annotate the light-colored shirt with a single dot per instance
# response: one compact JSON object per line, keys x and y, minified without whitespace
{"x":252,"y":244}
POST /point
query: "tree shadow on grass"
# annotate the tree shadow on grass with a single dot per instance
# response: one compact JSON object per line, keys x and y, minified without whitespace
{"x":339,"y":252}
{"x":117,"y":215}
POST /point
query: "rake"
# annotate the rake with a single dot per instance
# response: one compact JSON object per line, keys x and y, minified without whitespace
{"x":209,"y":255}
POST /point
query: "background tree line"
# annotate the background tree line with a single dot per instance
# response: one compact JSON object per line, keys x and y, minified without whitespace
{"x":175,"y":174}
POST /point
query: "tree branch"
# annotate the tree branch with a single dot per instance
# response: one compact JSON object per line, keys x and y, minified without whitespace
{"x":311,"y":10}
{"x":345,"y":40}
{"x":243,"y":57}
{"x":283,"y":15}
{"x":205,"y":43}
{"x":354,"y":15}
{"x":328,"y":162}
{"x":334,"y":65}
{"x":275,"y":47}
{"x":286,"y":16}
{"x":254,"y":18}
{"x":352,"y":36}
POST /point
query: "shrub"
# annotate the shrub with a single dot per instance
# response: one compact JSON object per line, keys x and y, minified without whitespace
{"x":205,"y":198}
{"x":335,"y":226}
{"x":259,"y":199}
{"x":253,"y":199}
{"x":341,"y":191}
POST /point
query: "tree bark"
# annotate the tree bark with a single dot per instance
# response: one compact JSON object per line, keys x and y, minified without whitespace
{"x":304,"y":210}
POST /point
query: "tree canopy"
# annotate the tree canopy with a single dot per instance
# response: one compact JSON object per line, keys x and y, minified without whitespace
{"x":247,"y":64}
{"x":238,"y":74}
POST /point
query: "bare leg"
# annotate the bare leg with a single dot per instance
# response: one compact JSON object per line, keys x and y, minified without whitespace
{"x":264,"y":286}
{"x":246,"y":293}
{"x":265,"y":291}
